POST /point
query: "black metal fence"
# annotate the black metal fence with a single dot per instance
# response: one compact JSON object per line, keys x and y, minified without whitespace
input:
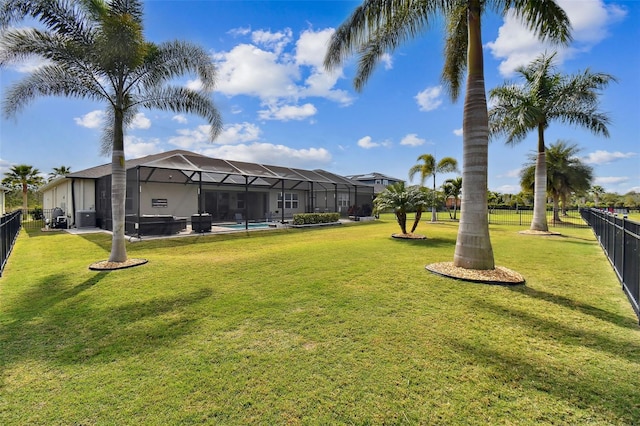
{"x":523,"y":217}
{"x":10,"y":225}
{"x":620,"y":239}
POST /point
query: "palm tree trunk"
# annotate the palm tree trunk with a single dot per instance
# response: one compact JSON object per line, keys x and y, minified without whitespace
{"x":401,"y":217}
{"x":539,"y":221}
{"x":416,"y":221}
{"x":556,"y":211}
{"x":473,"y":245}
{"x":118,"y":191}
{"x":25,"y":198}
{"x":434,"y":214}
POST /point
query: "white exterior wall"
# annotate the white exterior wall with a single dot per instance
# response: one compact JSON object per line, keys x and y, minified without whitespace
{"x":2,"y":207}
{"x":288,"y":213}
{"x":182,"y":200}
{"x":58,"y":196}
{"x":85,"y":194}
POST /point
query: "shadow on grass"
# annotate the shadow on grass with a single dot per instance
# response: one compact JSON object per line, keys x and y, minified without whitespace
{"x":428,"y":242}
{"x":575,"y":390}
{"x":565,"y":334}
{"x":565,"y":302}
{"x":56,"y":323}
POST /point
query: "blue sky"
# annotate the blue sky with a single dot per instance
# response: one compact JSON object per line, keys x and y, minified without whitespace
{"x":280,"y":107}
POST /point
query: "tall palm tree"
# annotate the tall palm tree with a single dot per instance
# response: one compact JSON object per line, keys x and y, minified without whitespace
{"x":546,"y":96}
{"x":59,"y":171}
{"x":596,"y":191}
{"x":431,"y":167}
{"x":96,"y":50}
{"x":566,"y":174}
{"x":377,"y":27}
{"x":452,"y":189}
{"x":25,"y":177}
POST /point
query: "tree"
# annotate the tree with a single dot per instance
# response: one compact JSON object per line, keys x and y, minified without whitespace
{"x":401,"y":199}
{"x":59,"y":171}
{"x":429,"y":167}
{"x":566,"y":173}
{"x":546,"y":96}
{"x":452,"y":189}
{"x":377,"y":27}
{"x":96,"y":50}
{"x":597,"y":191}
{"x":25,"y":177}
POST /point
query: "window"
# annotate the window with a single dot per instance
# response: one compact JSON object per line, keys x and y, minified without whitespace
{"x":343,"y":200}
{"x":385,"y":182}
{"x":290,"y":200}
{"x":240,"y":201}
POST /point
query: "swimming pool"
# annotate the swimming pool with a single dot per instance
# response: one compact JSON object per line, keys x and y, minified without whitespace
{"x":252,"y":225}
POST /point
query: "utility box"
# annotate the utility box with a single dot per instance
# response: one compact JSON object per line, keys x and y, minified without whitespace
{"x":85,"y":219}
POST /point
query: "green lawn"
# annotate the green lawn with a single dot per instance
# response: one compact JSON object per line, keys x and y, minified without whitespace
{"x":339,"y":325}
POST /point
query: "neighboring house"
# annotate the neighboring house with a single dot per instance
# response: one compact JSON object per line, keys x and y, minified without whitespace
{"x":377,"y":180}
{"x":182,"y":183}
{"x":3,"y":191}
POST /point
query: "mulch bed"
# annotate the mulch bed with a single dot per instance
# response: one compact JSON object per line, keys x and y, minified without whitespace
{"x":498,"y":275}
{"x":539,"y":233}
{"x":408,"y":236}
{"x":105,"y":265}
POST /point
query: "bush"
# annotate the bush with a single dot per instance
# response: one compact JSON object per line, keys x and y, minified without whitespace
{"x":314,"y":218}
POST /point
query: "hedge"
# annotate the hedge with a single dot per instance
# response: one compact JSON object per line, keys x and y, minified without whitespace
{"x":314,"y":218}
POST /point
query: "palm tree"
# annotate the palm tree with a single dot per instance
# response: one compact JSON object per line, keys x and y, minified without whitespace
{"x":596,"y":191}
{"x":377,"y":27}
{"x":25,"y":177}
{"x":429,"y":167}
{"x":546,"y":96}
{"x":566,"y":173}
{"x":96,"y":50}
{"x":452,"y":189}
{"x":401,"y":199}
{"x":59,"y":171}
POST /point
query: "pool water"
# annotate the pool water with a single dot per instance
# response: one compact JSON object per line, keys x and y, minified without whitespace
{"x":256,"y":225}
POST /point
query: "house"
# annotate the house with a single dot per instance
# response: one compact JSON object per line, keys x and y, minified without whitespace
{"x":377,"y":180}
{"x":3,"y":191}
{"x":181,"y":184}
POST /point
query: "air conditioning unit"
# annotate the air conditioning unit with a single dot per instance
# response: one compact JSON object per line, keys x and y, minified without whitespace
{"x":86,"y":219}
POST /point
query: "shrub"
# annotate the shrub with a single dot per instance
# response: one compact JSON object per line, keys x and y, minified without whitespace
{"x":314,"y":218}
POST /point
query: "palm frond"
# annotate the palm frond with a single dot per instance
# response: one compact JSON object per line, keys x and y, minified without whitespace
{"x":455,"y":52}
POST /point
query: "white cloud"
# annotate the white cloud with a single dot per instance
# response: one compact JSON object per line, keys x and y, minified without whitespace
{"x":368,"y":143}
{"x":605,"y":157}
{"x":5,"y":166}
{"x":517,"y":46}
{"x":198,"y":138}
{"x":272,"y":71}
{"x":412,"y":139}
{"x":195,"y":85}
{"x":610,"y":180}
{"x":513,"y":173}
{"x":429,"y":99}
{"x":135,"y":147}
{"x":275,"y":41}
{"x":180,"y":118}
{"x":140,"y":121}
{"x":387,"y":60}
{"x":249,"y":70}
{"x":91,"y":120}
{"x":191,"y":138}
{"x":238,"y":133}
{"x":239,"y":31}
{"x":458,"y":132}
{"x":288,"y":112}
{"x":267,"y":153}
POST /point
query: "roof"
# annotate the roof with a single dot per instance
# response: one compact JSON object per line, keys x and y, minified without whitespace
{"x":374,"y":175}
{"x":189,"y":167}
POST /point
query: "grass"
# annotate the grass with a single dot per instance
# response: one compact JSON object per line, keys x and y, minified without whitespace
{"x":337,"y":325}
